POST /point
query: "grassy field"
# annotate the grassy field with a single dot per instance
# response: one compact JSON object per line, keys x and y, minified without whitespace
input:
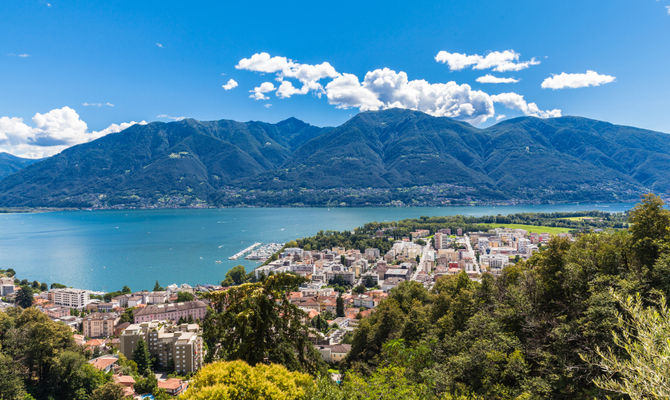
{"x":532,"y":228}
{"x":577,"y":218}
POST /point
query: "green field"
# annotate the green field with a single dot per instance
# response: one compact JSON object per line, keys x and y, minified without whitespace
{"x":554,"y":230}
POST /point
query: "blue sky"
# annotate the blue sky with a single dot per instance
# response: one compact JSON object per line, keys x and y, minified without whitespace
{"x":69,"y":70}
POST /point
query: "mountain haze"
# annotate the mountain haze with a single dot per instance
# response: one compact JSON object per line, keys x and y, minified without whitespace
{"x":376,"y":158}
{"x":10,"y":164}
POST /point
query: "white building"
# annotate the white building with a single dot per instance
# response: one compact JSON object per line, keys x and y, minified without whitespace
{"x":67,"y":297}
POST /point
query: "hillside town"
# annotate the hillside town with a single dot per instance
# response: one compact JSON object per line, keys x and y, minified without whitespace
{"x":342,"y":286}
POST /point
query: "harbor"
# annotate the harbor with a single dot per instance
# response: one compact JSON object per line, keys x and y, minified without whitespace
{"x":244,"y":251}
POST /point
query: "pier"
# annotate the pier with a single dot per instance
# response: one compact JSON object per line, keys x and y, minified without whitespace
{"x":244,"y":251}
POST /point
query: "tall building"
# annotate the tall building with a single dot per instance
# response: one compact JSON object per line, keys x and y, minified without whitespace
{"x":98,"y":325}
{"x":172,"y":345}
{"x":68,"y":297}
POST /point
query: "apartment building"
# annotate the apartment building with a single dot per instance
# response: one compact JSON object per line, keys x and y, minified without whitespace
{"x":180,"y":346}
{"x":172,"y":312}
{"x":98,"y":325}
{"x":68,"y":297}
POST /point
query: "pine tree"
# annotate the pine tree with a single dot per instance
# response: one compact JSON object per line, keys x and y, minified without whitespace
{"x":339,"y":306}
{"x":142,"y":357}
{"x":24,"y":297}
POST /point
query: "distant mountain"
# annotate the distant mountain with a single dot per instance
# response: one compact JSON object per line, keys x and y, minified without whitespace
{"x":10,"y":164}
{"x":386,"y":157}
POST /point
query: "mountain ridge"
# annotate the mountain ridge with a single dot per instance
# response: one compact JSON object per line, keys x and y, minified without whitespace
{"x":393,"y":156}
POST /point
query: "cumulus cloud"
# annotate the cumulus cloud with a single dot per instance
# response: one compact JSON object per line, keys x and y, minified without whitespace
{"x":488,"y":78}
{"x":50,"y":133}
{"x":572,"y":81}
{"x":499,"y":61}
{"x":159,"y":45}
{"x":231,"y":84}
{"x":516,"y":101}
{"x":106,"y":104}
{"x":385,"y":88}
{"x":308,"y":75}
{"x":258,"y":93}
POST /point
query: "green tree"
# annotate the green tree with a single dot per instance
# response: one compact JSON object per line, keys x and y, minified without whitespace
{"x":638,"y":365}
{"x":256,"y":322}
{"x":339,"y":306}
{"x":238,"y":380}
{"x":24,"y":298}
{"x":125,"y":290}
{"x":108,"y":391}
{"x":127,"y":315}
{"x":158,"y":287}
{"x":11,"y":379}
{"x":146,"y":385}
{"x":142,"y":357}
{"x":184,"y":296}
{"x":235,"y":276}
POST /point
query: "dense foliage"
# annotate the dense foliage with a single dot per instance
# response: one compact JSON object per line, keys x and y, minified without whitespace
{"x":39,"y":357}
{"x":237,"y":380}
{"x":255,"y":322}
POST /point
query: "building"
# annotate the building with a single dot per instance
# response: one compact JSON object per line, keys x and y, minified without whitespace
{"x":104,"y":363}
{"x":99,"y":325}
{"x":6,"y":285}
{"x":334,"y":353}
{"x":172,"y":345}
{"x":172,"y":312}
{"x":173,"y":386}
{"x":67,"y":297}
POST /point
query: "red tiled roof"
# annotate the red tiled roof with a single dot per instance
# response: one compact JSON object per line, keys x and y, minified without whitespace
{"x":170,"y":384}
{"x":102,"y":363}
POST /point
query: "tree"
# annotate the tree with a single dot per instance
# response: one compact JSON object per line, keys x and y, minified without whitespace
{"x":238,"y":380}
{"x":339,"y":306}
{"x":360,"y":289}
{"x":649,"y":227}
{"x":148,"y":384}
{"x":128,"y":315}
{"x":24,"y":297}
{"x":158,"y":287}
{"x":11,"y":382}
{"x":58,"y":286}
{"x":640,"y":369}
{"x":44,"y":287}
{"x":142,"y":357}
{"x":236,"y":276}
{"x":35,"y":285}
{"x":125,"y":290}
{"x":108,"y":391}
{"x":256,"y":322}
{"x":184,"y":296}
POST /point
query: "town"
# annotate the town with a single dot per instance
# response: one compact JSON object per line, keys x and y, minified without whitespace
{"x":342,"y":285}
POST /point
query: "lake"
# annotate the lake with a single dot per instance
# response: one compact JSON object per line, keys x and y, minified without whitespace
{"x":104,"y":250}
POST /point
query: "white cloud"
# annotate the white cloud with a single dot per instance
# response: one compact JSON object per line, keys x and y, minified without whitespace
{"x":308,"y":75}
{"x":170,"y":117}
{"x":106,"y":104}
{"x":488,"y":78}
{"x":258,"y":93}
{"x":20,"y":55}
{"x":499,"y":61}
{"x":267,"y":105}
{"x":572,"y":81}
{"x":231,"y":84}
{"x":159,"y":45}
{"x":50,"y":133}
{"x":667,"y":8}
{"x":500,"y":116}
{"x":516,"y":101}
{"x":386,"y":88}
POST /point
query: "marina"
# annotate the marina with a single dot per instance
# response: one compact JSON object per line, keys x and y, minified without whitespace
{"x":264,"y":252}
{"x":244,"y":251}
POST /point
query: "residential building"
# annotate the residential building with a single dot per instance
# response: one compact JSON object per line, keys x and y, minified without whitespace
{"x":98,"y":324}
{"x":67,"y":297}
{"x":172,"y":312}
{"x":178,"y":345}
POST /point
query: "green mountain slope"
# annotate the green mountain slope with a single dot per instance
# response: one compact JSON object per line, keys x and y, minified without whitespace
{"x":375,"y":158}
{"x":10,"y":164}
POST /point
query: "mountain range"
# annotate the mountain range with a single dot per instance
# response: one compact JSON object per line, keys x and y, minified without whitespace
{"x":10,"y":164}
{"x":394,"y":156}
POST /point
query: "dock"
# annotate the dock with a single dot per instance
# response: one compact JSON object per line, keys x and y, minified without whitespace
{"x":244,"y":251}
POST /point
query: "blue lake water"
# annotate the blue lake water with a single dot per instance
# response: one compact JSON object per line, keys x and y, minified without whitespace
{"x":104,"y":250}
